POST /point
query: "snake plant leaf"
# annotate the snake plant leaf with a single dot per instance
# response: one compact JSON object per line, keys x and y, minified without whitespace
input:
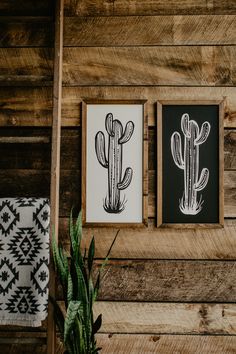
{"x":96,"y":287}
{"x":58,"y":261}
{"x":78,"y":227}
{"x":97,"y":324}
{"x":91,"y":255}
{"x":73,"y":240}
{"x":70,"y":318}
{"x":91,"y":293}
{"x":69,"y":289}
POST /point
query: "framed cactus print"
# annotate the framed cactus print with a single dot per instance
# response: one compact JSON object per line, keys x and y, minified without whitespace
{"x":114,"y":163}
{"x":190,"y":164}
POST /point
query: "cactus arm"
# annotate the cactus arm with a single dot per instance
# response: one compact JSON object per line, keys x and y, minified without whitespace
{"x":203,"y":180}
{"x":203,"y":135}
{"x":100,"y":149}
{"x":126,"y":179}
{"x":129,"y":129}
{"x":109,"y":124}
{"x":185,"y":125}
{"x":176,"y":149}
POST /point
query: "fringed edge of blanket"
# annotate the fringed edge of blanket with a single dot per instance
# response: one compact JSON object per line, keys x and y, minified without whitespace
{"x":25,"y":322}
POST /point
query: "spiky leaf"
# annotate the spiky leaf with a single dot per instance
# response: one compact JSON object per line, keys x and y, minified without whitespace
{"x":91,"y":255}
{"x":71,"y":314}
{"x":97,"y":324}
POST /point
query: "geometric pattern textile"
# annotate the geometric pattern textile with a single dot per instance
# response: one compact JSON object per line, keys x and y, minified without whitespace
{"x":24,"y":260}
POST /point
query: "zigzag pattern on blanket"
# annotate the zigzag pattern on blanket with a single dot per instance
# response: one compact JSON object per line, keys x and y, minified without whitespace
{"x":24,"y":260}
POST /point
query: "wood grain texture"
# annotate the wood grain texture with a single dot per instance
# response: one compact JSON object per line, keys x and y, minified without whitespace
{"x":26,"y":8}
{"x":148,"y":7}
{"x":163,"y":318}
{"x":26,"y":66}
{"x":26,"y":32}
{"x":72,"y":97}
{"x":181,"y":281}
{"x":37,"y":156}
{"x":230,"y":149}
{"x":23,"y":349}
{"x":55,"y":166}
{"x":33,"y":106}
{"x":144,"y":344}
{"x":164,"y":65}
{"x":25,"y":106}
{"x":156,"y":243}
{"x":150,"y":30}
{"x":166,"y":344}
{"x":36,"y":183}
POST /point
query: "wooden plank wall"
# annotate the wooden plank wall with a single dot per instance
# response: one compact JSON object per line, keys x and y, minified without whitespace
{"x":164,"y":291}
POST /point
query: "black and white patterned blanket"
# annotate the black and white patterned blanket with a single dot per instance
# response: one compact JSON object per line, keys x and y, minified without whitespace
{"x":24,"y":259}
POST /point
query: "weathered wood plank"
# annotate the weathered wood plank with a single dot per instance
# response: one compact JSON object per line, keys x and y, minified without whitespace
{"x":26,"y":32}
{"x":37,"y":156}
{"x":23,"y":348}
{"x":181,"y":281}
{"x":230,"y":149}
{"x":150,"y":30}
{"x":165,"y":344}
{"x":72,"y":97}
{"x":153,"y":243}
{"x":25,"y":66}
{"x":25,"y":106}
{"x":163,"y":65}
{"x":230,"y":193}
{"x":26,"y":8}
{"x":36,"y":183}
{"x":166,"y":318}
{"x":33,"y":106}
{"x":148,"y":7}
{"x":145,"y":344}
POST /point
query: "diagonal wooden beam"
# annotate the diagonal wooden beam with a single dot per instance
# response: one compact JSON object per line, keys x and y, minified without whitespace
{"x":55,"y":161}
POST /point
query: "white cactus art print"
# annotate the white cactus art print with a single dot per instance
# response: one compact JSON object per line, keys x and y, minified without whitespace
{"x":114,"y":165}
{"x":187,"y":159}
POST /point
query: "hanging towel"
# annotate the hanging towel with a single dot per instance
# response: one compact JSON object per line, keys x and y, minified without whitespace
{"x":24,"y":259}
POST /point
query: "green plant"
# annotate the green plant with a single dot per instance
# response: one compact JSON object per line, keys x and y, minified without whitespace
{"x":77,"y":327}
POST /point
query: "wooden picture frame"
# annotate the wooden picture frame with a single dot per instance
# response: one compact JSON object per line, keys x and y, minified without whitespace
{"x":165,"y":217}
{"x":106,"y":217}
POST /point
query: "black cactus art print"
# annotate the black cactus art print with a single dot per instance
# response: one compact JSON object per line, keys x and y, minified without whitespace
{"x":117,"y":181}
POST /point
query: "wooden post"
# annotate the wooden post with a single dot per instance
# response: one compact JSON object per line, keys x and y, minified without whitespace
{"x":55,"y":161}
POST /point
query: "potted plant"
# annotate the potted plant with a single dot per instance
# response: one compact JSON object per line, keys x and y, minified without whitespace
{"x":76,"y":323}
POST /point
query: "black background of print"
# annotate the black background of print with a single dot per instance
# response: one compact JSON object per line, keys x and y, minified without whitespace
{"x":173,"y":177}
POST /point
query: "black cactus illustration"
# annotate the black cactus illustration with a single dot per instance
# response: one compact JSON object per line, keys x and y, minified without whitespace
{"x":114,"y":161}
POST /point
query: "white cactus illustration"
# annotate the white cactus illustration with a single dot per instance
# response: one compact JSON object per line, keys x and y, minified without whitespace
{"x":189,"y":204}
